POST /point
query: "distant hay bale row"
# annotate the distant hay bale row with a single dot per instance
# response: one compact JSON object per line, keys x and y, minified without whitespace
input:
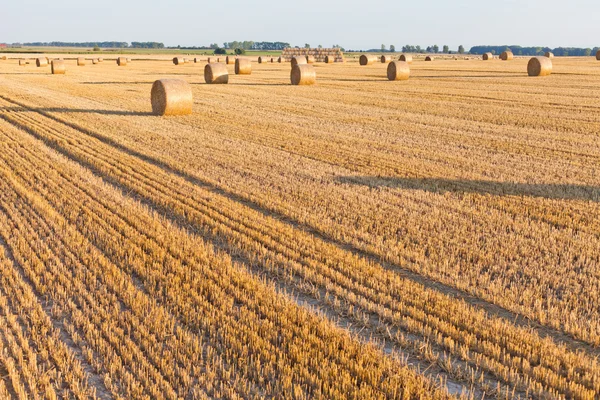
{"x":243,"y":66}
{"x":507,"y":55}
{"x":216,"y":73}
{"x":171,"y":97}
{"x":58,"y":67}
{"x":487,"y":56}
{"x":539,"y":66}
{"x":367,"y":59}
{"x":318,"y":55}
{"x":398,"y":71}
{"x":303,"y":74}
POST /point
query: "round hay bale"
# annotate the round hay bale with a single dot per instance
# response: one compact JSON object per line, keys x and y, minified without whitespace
{"x":280,"y":60}
{"x":94,"y":61}
{"x":303,"y":74}
{"x":507,"y":56}
{"x":178,"y":60}
{"x":100,"y":59}
{"x":272,"y":59}
{"x":3,"y":58}
{"x":243,"y":66}
{"x":23,"y":63}
{"x":80,"y":61}
{"x":216,"y":73}
{"x":598,"y":55}
{"x":539,"y":66}
{"x":398,"y":71}
{"x":208,"y":60}
{"x":386,"y":59}
{"x":128,"y":60}
{"x":429,"y":58}
{"x":367,"y":59}
{"x":310,"y":59}
{"x":549,"y":54}
{"x":41,"y":62}
{"x":406,"y":58}
{"x":329,"y":59}
{"x":171,"y":97}
{"x":262,"y":59}
{"x":487,"y":56}
{"x":299,"y":60}
{"x":121,"y":61}
{"x":58,"y":67}
{"x":229,"y":60}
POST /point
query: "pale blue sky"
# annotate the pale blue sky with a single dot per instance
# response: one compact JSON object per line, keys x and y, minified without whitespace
{"x":350,"y":23}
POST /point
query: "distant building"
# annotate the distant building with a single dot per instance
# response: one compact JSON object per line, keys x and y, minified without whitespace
{"x":3,"y":45}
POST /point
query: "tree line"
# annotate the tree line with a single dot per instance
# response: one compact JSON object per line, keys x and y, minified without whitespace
{"x":250,"y":45}
{"x":535,"y":51}
{"x":118,"y":45}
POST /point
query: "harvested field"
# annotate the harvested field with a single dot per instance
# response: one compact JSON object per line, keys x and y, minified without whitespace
{"x":353,"y":238}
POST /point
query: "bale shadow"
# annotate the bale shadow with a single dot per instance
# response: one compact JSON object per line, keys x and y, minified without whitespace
{"x":76,"y":110}
{"x":117,"y":83}
{"x":258,"y":84}
{"x":440,"y":186}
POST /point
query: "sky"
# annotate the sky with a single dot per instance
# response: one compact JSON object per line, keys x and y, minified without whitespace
{"x":350,"y":23}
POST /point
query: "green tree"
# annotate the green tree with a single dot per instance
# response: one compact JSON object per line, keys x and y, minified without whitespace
{"x":320,"y":46}
{"x":383,"y":47}
{"x":461,"y":49}
{"x":392,"y":48}
{"x":306,"y":46}
{"x":436,"y":48}
{"x":239,"y":51}
{"x":446,"y":49}
{"x":587,"y":52}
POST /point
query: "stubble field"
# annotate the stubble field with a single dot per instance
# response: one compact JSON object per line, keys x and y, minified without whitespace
{"x":358,"y":238}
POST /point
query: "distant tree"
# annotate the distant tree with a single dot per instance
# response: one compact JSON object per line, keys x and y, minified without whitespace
{"x":239,"y":51}
{"x":392,"y":48}
{"x":383,"y":47}
{"x":214,"y":46}
{"x":435,"y":48}
{"x":220,"y":51}
{"x":306,"y":46}
{"x":587,"y":52}
{"x":320,"y":46}
{"x":446,"y":49}
{"x":96,"y":48}
{"x":461,"y":49}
